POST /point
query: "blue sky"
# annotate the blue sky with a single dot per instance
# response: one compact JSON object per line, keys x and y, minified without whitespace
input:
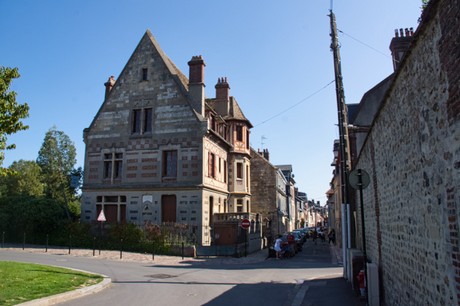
{"x":275,"y":54}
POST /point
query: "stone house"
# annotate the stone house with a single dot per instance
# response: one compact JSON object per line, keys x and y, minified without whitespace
{"x":268,"y":195}
{"x":411,"y":151}
{"x":159,"y":151}
{"x":292,"y":212}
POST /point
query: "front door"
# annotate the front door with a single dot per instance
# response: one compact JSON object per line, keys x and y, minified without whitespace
{"x":168,"y":208}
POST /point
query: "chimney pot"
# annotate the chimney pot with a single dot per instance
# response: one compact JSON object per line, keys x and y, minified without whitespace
{"x":222,"y":89}
{"x":109,"y":85}
{"x":196,"y":72}
{"x":399,"y":45}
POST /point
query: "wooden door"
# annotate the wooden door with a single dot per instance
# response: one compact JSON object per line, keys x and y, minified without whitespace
{"x":168,"y":208}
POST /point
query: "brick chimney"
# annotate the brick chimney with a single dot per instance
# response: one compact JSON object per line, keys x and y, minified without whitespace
{"x":109,"y":85}
{"x":222,"y":89}
{"x":264,"y":154}
{"x":222,"y":104}
{"x":196,"y":83}
{"x":399,"y":45}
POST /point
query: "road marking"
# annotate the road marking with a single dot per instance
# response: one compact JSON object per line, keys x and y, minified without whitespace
{"x":298,"y":299}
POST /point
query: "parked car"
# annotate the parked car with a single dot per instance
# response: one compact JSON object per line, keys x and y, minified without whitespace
{"x":302,"y":234}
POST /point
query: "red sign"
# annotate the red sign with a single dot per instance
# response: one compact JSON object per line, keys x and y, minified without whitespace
{"x":245,"y":223}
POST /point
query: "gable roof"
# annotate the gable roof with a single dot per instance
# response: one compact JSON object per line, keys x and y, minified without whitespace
{"x":179,"y":78}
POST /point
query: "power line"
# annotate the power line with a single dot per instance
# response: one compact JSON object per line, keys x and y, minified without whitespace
{"x":298,"y":103}
{"x":364,"y":44}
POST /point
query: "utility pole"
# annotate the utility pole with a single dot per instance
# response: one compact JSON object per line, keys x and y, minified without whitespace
{"x":343,"y":134}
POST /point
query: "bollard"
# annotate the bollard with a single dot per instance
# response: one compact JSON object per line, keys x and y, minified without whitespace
{"x":182,"y":251}
{"x":153,"y":250}
{"x":121,"y":248}
{"x":46,"y":248}
{"x":70,"y":242}
{"x":94,"y":245}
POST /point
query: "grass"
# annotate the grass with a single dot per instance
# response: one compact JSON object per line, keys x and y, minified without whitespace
{"x":22,"y":282}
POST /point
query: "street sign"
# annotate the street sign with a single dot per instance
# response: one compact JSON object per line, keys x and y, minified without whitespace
{"x":101,"y":216}
{"x":245,"y":223}
{"x":359,"y":179}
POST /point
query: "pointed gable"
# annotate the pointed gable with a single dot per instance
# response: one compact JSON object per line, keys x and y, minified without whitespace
{"x":148,"y":80}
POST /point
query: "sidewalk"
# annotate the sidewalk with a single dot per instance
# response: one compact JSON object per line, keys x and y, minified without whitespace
{"x":331,"y":291}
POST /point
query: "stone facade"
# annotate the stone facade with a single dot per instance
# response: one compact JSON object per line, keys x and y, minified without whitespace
{"x":268,"y":197}
{"x":412,"y":154}
{"x":159,"y":151}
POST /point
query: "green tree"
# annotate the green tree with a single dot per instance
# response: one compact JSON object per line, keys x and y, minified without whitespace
{"x":23,"y":179}
{"x":56,"y":158}
{"x":11,"y":112}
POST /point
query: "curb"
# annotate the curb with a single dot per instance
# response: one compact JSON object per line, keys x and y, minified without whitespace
{"x":66,"y":296}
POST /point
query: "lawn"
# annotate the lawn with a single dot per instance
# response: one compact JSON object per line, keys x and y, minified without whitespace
{"x":22,"y":282}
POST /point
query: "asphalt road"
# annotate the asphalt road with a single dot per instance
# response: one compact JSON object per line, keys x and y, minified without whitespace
{"x":210,"y":282}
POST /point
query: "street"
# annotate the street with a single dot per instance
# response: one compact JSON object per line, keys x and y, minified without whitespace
{"x":215,"y":281}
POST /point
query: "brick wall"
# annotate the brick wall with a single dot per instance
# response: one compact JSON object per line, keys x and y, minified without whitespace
{"x":413,"y":155}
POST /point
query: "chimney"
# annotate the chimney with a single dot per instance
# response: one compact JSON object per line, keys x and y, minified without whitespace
{"x":196,"y":83}
{"x":222,"y":103}
{"x":108,"y":86}
{"x":266,"y":154}
{"x":399,"y":45}
{"x":222,"y":89}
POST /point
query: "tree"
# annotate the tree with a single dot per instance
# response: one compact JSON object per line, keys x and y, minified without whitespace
{"x":56,"y":158}
{"x":23,"y":179}
{"x":11,"y":112}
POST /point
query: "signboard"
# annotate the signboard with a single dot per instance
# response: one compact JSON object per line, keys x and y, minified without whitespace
{"x":101,"y":216}
{"x":359,"y":179}
{"x":245,"y":223}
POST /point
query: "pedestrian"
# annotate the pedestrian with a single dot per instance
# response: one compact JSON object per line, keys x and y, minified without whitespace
{"x":277,"y":247}
{"x":315,"y":235}
{"x":331,"y":236}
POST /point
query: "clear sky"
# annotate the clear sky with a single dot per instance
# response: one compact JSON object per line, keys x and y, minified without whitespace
{"x":275,"y":54}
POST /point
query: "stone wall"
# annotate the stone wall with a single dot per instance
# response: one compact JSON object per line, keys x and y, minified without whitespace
{"x":263,"y":192}
{"x":412,"y":155}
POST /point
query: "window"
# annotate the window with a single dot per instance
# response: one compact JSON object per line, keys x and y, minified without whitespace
{"x":141,"y":121}
{"x":113,"y":165}
{"x":239,"y":133}
{"x":239,"y":171}
{"x":225,"y":171}
{"x":211,"y":165}
{"x":136,"y":127}
{"x":239,"y":205}
{"x":114,"y":208}
{"x":247,"y":176}
{"x":144,"y":74}
{"x":170,"y":163}
{"x":147,"y":126}
{"x":247,"y":139}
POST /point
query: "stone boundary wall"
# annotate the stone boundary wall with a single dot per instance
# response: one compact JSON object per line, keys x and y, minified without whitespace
{"x":412,"y":155}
